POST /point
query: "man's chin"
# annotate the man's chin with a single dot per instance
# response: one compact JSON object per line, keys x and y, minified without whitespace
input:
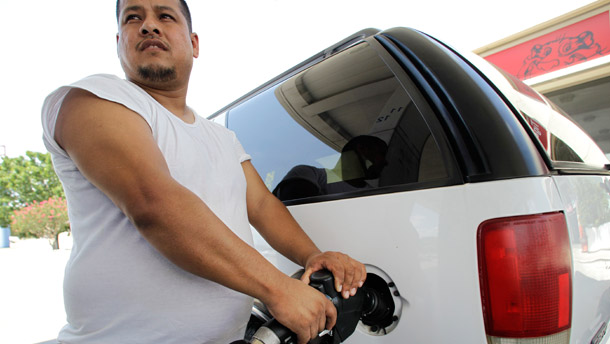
{"x":157,"y":73}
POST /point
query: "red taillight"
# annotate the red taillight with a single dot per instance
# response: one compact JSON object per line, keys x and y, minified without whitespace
{"x":525,"y":269}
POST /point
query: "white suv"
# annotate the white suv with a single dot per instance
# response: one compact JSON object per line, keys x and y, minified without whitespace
{"x":480,"y":209}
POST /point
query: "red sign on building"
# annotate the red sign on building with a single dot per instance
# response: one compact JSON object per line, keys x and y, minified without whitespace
{"x":580,"y":42}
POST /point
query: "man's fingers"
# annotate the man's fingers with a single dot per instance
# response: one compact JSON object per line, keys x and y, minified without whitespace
{"x":313,"y":331}
{"x":331,"y":316}
{"x":338,"y":273}
{"x":306,"y":274}
{"x":359,"y":276}
{"x":363,"y":275}
{"x":304,"y":336}
{"x":348,"y":277}
{"x":343,"y":272}
{"x":321,"y":323}
{"x":349,"y":274}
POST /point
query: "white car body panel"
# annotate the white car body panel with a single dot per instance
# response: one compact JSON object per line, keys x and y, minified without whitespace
{"x":426,"y":242}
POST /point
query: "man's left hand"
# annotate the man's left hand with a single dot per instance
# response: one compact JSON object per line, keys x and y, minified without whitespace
{"x":349,"y":273}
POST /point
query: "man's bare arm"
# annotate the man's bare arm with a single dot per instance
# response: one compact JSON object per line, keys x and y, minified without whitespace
{"x":114,"y":149}
{"x":271,"y":218}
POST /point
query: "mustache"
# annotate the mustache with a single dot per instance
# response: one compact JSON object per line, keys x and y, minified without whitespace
{"x":150,"y":42}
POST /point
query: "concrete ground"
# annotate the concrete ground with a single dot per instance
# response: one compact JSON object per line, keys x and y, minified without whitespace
{"x":31,"y":299}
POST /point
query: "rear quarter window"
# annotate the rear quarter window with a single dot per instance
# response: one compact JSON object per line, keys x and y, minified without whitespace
{"x":344,"y":127}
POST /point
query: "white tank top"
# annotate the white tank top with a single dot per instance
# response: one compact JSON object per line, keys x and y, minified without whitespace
{"x":117,"y":287}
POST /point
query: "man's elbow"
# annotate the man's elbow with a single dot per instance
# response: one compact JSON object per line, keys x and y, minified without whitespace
{"x":148,"y":209}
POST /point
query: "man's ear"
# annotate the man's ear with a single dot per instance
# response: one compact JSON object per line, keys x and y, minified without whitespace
{"x":195,"y":43}
{"x":117,"y":44}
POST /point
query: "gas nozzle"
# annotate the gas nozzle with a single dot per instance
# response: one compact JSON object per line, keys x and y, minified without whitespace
{"x":371,"y":303}
{"x":273,"y":332}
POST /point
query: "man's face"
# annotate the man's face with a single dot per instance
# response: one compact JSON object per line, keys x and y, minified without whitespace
{"x":154,"y":44}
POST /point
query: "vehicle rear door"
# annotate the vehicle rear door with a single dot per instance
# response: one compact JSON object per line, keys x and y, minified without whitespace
{"x":452,"y":155}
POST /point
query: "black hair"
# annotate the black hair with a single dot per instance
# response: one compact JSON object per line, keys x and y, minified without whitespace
{"x":183,"y":7}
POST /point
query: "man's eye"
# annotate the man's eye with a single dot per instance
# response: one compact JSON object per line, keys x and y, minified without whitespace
{"x":166,"y":16}
{"x":132,"y":17}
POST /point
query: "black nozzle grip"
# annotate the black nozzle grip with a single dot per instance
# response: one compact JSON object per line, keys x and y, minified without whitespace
{"x":324,"y":282}
{"x":348,"y":314}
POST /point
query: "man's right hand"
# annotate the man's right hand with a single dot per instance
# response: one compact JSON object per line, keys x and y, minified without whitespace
{"x":302,"y":309}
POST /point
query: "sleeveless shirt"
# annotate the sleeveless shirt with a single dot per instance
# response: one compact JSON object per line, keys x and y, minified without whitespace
{"x":117,"y":287}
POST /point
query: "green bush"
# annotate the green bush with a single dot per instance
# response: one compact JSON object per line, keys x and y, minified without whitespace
{"x":44,"y":219}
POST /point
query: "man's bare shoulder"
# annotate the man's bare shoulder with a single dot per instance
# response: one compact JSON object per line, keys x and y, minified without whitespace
{"x":83,"y":100}
{"x":82,"y":109}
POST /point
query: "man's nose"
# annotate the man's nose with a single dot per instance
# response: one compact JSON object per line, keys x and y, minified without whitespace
{"x":149,"y":27}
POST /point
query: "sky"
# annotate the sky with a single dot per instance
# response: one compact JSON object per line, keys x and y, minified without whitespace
{"x":244,"y":43}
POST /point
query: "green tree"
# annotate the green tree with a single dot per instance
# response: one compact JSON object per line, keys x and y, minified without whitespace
{"x":24,"y":180}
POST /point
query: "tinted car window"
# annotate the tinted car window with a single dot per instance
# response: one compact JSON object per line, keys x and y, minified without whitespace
{"x":340,"y":127}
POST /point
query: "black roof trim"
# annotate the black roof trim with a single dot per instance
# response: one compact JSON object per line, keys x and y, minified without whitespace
{"x":496,"y":145}
{"x":432,"y":91}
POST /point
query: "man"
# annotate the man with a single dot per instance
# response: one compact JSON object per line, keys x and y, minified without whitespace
{"x":160,"y":202}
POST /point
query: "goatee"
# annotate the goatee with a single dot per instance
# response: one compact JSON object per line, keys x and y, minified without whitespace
{"x":157,"y":74}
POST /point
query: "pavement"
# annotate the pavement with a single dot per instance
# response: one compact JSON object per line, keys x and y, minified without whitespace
{"x":31,"y":299}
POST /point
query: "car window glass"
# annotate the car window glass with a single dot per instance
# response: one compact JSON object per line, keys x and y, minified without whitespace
{"x":562,"y":152}
{"x":339,"y":127}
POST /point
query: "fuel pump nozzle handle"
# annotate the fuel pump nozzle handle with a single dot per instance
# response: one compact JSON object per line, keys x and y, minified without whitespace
{"x":348,"y":314}
{"x":273,"y":332}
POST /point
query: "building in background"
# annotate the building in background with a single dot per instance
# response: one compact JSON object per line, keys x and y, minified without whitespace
{"x":567,"y":59}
